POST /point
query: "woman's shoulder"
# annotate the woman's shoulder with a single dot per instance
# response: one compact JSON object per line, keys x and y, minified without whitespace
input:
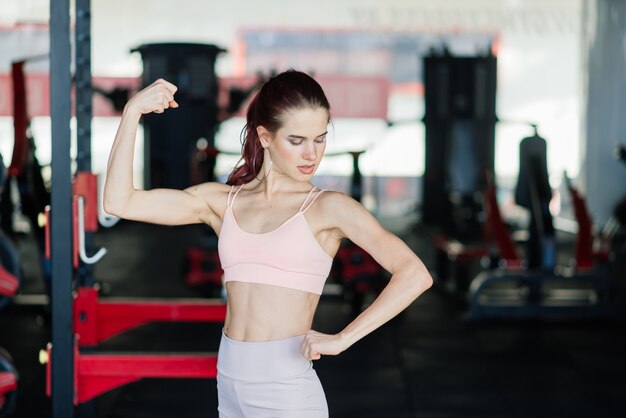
{"x":334,"y":195}
{"x":335,"y":210}
{"x":214,"y":194}
{"x":209,"y":188}
{"x":333,"y":200}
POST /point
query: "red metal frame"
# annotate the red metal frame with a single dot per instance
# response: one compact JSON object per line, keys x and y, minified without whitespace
{"x":351,"y":269}
{"x":495,"y":233}
{"x":47,"y":233}
{"x":75,"y":255}
{"x":584,"y":255}
{"x":85,"y":184}
{"x":95,"y":374}
{"x":20,"y":119}
{"x":496,"y":229}
{"x":358,"y":264}
{"x":198,"y":274}
{"x":96,"y":321}
{"x":37,"y":93}
{"x":8,"y":283}
{"x":8,"y":382}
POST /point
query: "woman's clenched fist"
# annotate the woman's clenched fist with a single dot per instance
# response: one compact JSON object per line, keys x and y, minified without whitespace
{"x":155,"y":98}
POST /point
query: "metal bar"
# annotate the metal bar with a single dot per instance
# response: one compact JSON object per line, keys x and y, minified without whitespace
{"x":82,"y":80}
{"x":503,"y":294}
{"x":356,"y":181}
{"x":95,"y":321}
{"x":148,"y":365}
{"x":86,"y":260}
{"x":100,"y":373}
{"x":62,"y":373}
{"x":84,"y":113}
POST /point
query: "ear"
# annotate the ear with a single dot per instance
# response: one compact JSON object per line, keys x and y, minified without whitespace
{"x":264,"y":135}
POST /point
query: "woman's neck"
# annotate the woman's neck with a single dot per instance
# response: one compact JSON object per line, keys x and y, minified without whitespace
{"x":277,"y":182}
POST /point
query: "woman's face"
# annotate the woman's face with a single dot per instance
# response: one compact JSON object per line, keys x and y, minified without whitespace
{"x":298,"y":146}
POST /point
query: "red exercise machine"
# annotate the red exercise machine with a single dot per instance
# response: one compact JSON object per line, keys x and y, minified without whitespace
{"x":97,"y":320}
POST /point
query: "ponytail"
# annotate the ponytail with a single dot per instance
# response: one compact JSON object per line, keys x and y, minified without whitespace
{"x":251,"y":150}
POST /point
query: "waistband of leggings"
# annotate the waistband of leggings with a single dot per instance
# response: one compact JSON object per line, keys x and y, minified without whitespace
{"x":261,"y":360}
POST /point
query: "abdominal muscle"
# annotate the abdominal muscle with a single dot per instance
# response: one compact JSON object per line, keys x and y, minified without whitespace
{"x":259,"y":312}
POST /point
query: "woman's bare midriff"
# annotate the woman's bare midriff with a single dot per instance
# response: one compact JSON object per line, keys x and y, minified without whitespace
{"x":259,"y":312}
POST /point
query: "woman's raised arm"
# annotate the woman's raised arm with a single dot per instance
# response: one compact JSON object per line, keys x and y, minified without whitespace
{"x":162,"y":206}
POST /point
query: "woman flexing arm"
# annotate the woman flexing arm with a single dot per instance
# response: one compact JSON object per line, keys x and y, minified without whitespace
{"x":161,"y":206}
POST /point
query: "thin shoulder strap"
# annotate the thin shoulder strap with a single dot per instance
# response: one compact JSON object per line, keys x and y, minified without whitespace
{"x":231,"y":197}
{"x":306,"y":199}
{"x":304,"y":209}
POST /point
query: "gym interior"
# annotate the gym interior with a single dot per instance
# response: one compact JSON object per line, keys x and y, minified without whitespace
{"x":487,"y":135}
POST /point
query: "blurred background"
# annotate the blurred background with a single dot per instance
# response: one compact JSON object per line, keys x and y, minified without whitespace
{"x":487,"y":134}
{"x":540,"y":46}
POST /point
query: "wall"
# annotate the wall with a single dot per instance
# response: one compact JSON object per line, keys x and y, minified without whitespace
{"x":604,"y":107}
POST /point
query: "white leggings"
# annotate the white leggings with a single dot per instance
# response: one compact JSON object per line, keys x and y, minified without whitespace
{"x":268,"y":379}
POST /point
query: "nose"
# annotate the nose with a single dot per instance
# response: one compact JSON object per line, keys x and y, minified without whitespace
{"x":309,"y":152}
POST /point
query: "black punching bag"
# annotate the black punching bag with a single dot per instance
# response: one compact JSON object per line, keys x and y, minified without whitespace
{"x":170,"y":138}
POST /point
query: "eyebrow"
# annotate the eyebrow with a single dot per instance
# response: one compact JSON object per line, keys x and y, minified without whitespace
{"x":304,"y":137}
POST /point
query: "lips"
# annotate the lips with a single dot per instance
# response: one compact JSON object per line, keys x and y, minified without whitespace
{"x":306,"y":169}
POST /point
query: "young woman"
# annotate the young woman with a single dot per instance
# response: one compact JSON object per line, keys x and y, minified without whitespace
{"x":277,"y":238}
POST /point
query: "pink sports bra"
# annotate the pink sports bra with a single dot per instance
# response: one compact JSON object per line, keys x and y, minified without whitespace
{"x":288,"y":256}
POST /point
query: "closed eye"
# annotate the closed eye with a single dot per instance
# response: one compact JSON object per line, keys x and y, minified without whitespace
{"x":298,"y":140}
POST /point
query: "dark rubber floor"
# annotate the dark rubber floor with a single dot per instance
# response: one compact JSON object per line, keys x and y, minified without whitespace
{"x":430,"y":362}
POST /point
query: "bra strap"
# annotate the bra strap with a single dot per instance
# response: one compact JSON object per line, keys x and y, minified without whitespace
{"x":231,"y":197}
{"x":304,"y":209}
